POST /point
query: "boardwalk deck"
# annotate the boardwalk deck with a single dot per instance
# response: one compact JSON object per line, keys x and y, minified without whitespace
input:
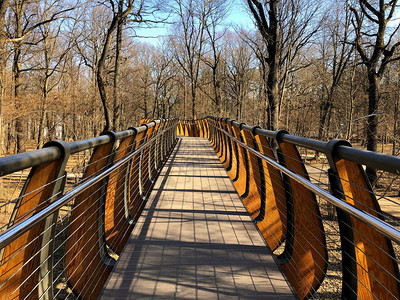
{"x":195,"y":239}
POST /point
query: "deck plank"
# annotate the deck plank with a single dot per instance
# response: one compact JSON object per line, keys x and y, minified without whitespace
{"x":195,"y":240}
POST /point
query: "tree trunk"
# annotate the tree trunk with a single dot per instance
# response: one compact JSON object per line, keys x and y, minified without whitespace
{"x":216,"y":92}
{"x":19,"y":128}
{"x":193,"y":101}
{"x":3,"y":61}
{"x":116,"y":102}
{"x":395,"y":121}
{"x":273,"y":96}
{"x":145,"y":97}
{"x":372,"y":122}
{"x":101,"y":72}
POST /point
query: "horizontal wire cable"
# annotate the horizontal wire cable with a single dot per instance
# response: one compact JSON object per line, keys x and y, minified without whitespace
{"x":149,"y":161}
{"x":256,"y":167}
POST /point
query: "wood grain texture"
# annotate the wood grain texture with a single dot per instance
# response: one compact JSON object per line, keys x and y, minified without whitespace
{"x":213,"y":134}
{"x":273,"y":227}
{"x":217,"y":136}
{"x":159,"y":155}
{"x":84,"y":268}
{"x":206,"y":128}
{"x":19,"y":274}
{"x":117,"y":229}
{"x":146,"y":183}
{"x":221,"y":149}
{"x":228,"y":155}
{"x":179,"y":128}
{"x":253,"y":199}
{"x":152,"y":155}
{"x":233,"y":172}
{"x":376,"y":270}
{"x":307,"y":261}
{"x":201,"y":128}
{"x":240,"y":183}
{"x":136,"y":202}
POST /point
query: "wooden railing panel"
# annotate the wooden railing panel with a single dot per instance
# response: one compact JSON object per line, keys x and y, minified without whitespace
{"x":376,"y":271}
{"x":305,"y":256}
{"x":152,"y":157}
{"x":233,"y":173}
{"x":85,"y":269}
{"x":241,"y":182}
{"x":228,"y":148}
{"x":256,"y":193}
{"x":200,"y":126}
{"x":19,"y":273}
{"x":117,"y":229}
{"x":206,"y":128}
{"x":136,"y":202}
{"x":179,"y":128}
{"x":146,"y":183}
{"x":221,"y":149}
{"x":273,"y":226}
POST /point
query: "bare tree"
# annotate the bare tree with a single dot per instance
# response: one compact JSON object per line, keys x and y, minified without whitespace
{"x":213,"y":59}
{"x":375,"y":46}
{"x":119,"y":13}
{"x":193,"y":17}
{"x":266,"y":17}
{"x":22,"y":28}
{"x":335,"y":55}
{"x":238,"y":58}
{"x":3,"y":59}
{"x":286,"y":27}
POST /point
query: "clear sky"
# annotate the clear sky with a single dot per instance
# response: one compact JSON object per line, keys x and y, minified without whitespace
{"x":236,"y":16}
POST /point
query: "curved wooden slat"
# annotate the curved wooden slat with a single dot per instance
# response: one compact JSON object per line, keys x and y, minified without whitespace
{"x":305,"y":257}
{"x":152,"y":157}
{"x":200,"y":126}
{"x":213,"y":134}
{"x":164,"y":142}
{"x":273,"y":226}
{"x":221,"y":149}
{"x":145,"y":175}
{"x":206,"y":128}
{"x":195,"y":130}
{"x":159,"y":145}
{"x":179,"y":129}
{"x":19,"y":273}
{"x":234,"y":171}
{"x":86,"y":251}
{"x":136,"y":202}
{"x":189,"y":130}
{"x":376,"y":269}
{"x":256,"y":188}
{"x":117,"y":229}
{"x":241,"y":183}
{"x":228,"y":147}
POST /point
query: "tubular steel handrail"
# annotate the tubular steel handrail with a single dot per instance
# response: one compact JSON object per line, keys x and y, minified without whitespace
{"x":276,"y":188}
{"x":376,"y":223}
{"x":101,"y":210}
{"x":17,"y":230}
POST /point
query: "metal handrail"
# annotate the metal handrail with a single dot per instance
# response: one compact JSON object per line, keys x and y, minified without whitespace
{"x":371,"y":159}
{"x":18,"y":162}
{"x":17,"y":230}
{"x":376,"y":223}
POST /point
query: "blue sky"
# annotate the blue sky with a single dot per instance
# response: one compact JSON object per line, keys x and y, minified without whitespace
{"x":236,"y":16}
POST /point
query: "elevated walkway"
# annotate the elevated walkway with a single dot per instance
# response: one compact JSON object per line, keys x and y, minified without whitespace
{"x":245,"y":213}
{"x":195,"y":239}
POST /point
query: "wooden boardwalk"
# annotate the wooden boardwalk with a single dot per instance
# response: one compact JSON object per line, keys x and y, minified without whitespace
{"x":195,"y":239}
